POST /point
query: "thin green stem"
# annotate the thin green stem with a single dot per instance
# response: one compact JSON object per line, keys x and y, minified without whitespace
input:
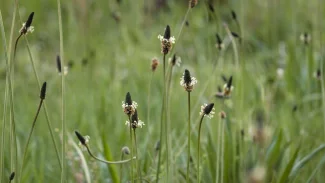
{"x":28,"y":139}
{"x":222,"y":148}
{"x":218,"y":151}
{"x":188,"y":138}
{"x":162,"y":119}
{"x":108,"y":162}
{"x":121,"y":167}
{"x":131,"y":136}
{"x":182,"y":26}
{"x":136,"y":155}
{"x":63,"y":171}
{"x":198,"y":150}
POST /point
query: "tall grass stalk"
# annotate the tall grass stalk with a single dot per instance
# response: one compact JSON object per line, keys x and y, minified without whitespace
{"x":162,"y":121}
{"x":11,"y":91}
{"x":5,"y":101}
{"x":188,"y":138}
{"x":198,"y":150}
{"x":218,"y":150}
{"x":63,"y":171}
{"x":131,"y":138}
{"x":39,"y":86}
{"x":138,"y":170}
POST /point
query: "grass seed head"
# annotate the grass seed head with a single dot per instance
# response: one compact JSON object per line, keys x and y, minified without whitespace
{"x":43,"y":91}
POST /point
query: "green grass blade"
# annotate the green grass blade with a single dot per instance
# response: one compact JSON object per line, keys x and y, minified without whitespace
{"x":285,"y":175}
{"x":305,"y":160}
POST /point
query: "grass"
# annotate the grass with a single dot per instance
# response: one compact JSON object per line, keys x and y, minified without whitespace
{"x":111,"y":55}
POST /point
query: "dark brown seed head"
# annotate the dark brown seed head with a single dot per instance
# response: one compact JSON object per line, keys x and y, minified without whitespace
{"x":157,"y":146}
{"x":29,"y":20}
{"x":229,"y":84}
{"x":128,"y":99}
{"x":235,"y":34}
{"x":12,"y":176}
{"x":135,"y":119}
{"x":58,"y":63}
{"x":167,"y":32}
{"x":80,"y":137}
{"x":187,"y":77}
{"x":154,"y":64}
{"x":219,"y":41}
{"x":208,"y":109}
{"x":193,"y":3}
{"x":43,"y":91}
{"x":173,"y":60}
{"x":211,"y":8}
{"x":233,"y":14}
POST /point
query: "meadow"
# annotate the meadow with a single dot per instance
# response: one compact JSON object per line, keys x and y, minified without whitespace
{"x":259,"y":64}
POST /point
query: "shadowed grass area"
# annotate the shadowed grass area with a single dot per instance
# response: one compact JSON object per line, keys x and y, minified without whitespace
{"x":274,"y":128}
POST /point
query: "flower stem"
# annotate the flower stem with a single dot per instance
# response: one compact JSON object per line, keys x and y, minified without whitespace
{"x":136,"y":155}
{"x":198,"y":150}
{"x":162,"y":121}
{"x":188,"y":137}
{"x":132,"y":178}
{"x":63,"y":171}
{"x":108,"y":162}
{"x":121,"y":167}
{"x":28,"y":139}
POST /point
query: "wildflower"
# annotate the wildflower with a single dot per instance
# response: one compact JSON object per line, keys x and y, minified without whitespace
{"x":26,"y":28}
{"x":207,"y":110}
{"x":233,"y":15}
{"x":219,"y":44}
{"x":59,"y":67}
{"x":175,"y":60}
{"x":83,"y":140}
{"x":222,"y":115}
{"x":193,"y":3}
{"x":154,"y":64}
{"x":187,"y":81}
{"x":126,"y":150}
{"x":12,"y":176}
{"x":305,"y":38}
{"x":128,"y":105}
{"x":227,"y":89}
{"x":166,"y":41}
{"x":136,"y":123}
{"x":43,"y":91}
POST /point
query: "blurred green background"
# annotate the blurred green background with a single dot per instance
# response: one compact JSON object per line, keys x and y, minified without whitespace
{"x":109,"y":45}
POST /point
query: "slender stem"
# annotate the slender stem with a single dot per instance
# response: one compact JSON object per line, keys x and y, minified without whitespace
{"x":28,"y":139}
{"x":16,"y":43}
{"x":218,"y":150}
{"x":222,"y":148}
{"x":182,"y":26}
{"x":168,"y":124}
{"x":130,"y":126}
{"x":108,"y":162}
{"x":121,"y":167}
{"x":188,"y":137}
{"x":136,"y":154}
{"x":162,"y":120}
{"x":63,"y":173}
{"x":198,"y":150}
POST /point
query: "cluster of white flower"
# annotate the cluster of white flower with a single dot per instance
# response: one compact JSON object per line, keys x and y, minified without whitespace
{"x":138,"y":124}
{"x":30,"y":29}
{"x":170,"y":40}
{"x":129,"y":109}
